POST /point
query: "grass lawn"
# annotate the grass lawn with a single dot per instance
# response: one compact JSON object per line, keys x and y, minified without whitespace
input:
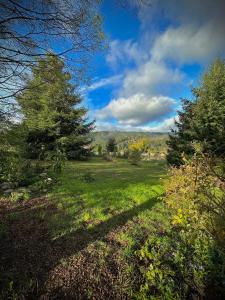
{"x":96,"y":191}
{"x":79,"y":242}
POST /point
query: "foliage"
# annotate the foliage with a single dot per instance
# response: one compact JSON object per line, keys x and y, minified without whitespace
{"x":99,"y":150}
{"x":111,"y":145}
{"x":203,"y":119}
{"x":198,"y":189}
{"x":13,"y":166}
{"x":180,"y":139}
{"x":174,"y":264}
{"x":156,"y":147}
{"x":49,"y":106}
{"x":186,"y":258}
{"x":210,"y":110}
{"x":135,"y":150}
{"x":58,"y":158}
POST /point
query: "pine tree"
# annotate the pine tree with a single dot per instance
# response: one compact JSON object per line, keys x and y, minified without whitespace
{"x":111,"y":145}
{"x":201,"y":120}
{"x":209,"y":121}
{"x":180,"y":139}
{"x":52,"y":112}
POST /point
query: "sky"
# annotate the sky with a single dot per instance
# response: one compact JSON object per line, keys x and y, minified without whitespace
{"x":155,"y":54}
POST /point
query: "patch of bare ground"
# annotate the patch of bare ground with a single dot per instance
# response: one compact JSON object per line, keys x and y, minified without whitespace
{"x":86,"y":264}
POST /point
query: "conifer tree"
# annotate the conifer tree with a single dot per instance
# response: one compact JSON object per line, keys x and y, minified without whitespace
{"x":52,"y":112}
{"x":111,"y":145}
{"x":180,"y":139}
{"x":203,"y":119}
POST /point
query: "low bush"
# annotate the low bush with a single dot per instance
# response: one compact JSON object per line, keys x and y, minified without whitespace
{"x":186,"y":259}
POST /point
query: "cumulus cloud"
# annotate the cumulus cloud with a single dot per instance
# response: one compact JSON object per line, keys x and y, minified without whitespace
{"x":164,"y":126}
{"x":150,"y":77}
{"x":193,"y":32}
{"x":138,"y":109}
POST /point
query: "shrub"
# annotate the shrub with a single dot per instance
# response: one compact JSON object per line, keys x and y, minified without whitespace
{"x":174,"y":265}
{"x":186,"y":259}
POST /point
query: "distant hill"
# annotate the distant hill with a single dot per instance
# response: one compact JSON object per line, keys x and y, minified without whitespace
{"x":156,"y":142}
{"x":101,"y":137}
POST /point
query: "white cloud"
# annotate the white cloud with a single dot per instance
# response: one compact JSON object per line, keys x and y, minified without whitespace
{"x":124,"y":52}
{"x":113,"y":80}
{"x":150,"y":78}
{"x":165,"y":126}
{"x":154,"y":62}
{"x":189,"y":44}
{"x":138,"y":109}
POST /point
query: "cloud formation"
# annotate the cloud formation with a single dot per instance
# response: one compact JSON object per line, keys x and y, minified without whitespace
{"x":164,"y":126}
{"x":192,"y":33}
{"x":150,"y":78}
{"x":138,"y":109}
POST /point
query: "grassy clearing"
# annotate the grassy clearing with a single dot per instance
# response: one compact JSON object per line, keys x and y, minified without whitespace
{"x":79,"y":242}
{"x":92,"y":192}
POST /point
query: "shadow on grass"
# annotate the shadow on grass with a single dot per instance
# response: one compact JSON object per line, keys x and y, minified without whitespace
{"x":28,"y":253}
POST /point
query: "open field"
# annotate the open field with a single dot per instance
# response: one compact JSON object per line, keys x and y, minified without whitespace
{"x":78,"y":242}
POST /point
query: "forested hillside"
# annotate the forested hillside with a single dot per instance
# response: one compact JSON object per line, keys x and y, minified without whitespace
{"x":155,"y":142}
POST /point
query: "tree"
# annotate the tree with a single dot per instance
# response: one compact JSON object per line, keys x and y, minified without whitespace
{"x":51,"y":114}
{"x":28,"y":29}
{"x":201,"y":120}
{"x":180,"y":139}
{"x":99,"y":149}
{"x":209,"y":112}
{"x":111,"y":145}
{"x":135,"y":149}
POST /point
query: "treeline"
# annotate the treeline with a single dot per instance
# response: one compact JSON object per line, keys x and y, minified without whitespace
{"x":148,"y":145}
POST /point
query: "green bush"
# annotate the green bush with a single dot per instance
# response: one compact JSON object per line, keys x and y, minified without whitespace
{"x":185,"y":258}
{"x":175,"y":264}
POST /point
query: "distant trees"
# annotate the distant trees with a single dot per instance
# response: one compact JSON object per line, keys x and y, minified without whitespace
{"x":202,"y":120}
{"x":51,"y":114}
{"x":111,"y":145}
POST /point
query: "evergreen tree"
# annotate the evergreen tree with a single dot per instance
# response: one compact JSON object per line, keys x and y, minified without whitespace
{"x":209,"y":121}
{"x":111,"y":145}
{"x":180,"y":139}
{"x":203,"y":119}
{"x":51,"y":113}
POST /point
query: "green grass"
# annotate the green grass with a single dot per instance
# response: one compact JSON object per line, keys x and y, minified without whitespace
{"x":101,"y":192}
{"x":82,"y":238}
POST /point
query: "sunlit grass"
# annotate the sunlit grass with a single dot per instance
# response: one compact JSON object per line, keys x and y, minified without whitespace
{"x":116,"y":187}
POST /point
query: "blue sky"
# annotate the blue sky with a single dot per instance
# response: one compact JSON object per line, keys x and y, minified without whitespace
{"x":155,"y":54}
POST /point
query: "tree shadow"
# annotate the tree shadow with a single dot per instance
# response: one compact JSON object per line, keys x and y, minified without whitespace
{"x":28,"y":253}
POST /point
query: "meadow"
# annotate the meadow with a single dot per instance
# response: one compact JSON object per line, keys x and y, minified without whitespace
{"x":79,"y":240}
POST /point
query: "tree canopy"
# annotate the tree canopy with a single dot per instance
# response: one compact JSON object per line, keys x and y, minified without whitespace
{"x":203,"y":119}
{"x":52,"y":111}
